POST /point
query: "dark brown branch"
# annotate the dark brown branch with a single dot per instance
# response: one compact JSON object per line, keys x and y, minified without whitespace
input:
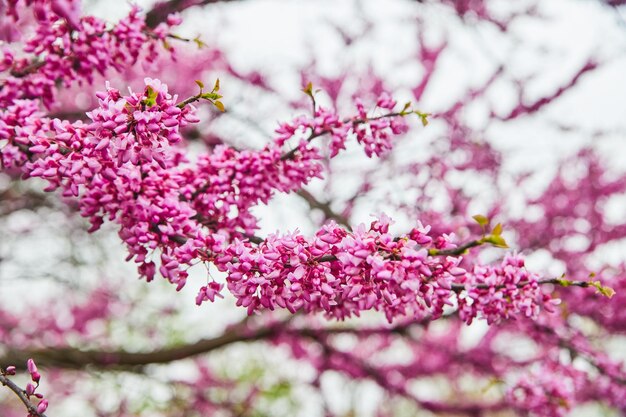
{"x":162,"y":9}
{"x":73,"y":358}
{"x":28,"y":69}
{"x":12,"y":200}
{"x":550,"y":281}
{"x":325,"y":208}
{"x":458,"y":251}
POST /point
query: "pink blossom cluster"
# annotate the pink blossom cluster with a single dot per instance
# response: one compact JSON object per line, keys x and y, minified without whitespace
{"x":120,"y":167}
{"x":125,"y":166}
{"x":549,"y":391}
{"x":376,"y":135}
{"x":224,"y":185}
{"x":343,"y":274}
{"x":503,"y":291}
{"x":20,"y":122}
{"x":68,"y":48}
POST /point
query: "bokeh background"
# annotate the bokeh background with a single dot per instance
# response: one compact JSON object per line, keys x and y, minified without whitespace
{"x":525,"y":85}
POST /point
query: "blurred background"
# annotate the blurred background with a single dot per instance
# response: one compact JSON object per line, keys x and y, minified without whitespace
{"x":522,"y":94}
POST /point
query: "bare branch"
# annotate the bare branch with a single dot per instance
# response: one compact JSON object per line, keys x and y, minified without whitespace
{"x":73,"y":358}
{"x":329,"y":213}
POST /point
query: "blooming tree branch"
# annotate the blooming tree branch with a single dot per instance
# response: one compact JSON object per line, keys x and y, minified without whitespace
{"x":126,"y":163}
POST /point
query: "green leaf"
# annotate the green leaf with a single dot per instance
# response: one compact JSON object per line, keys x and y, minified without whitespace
{"x":605,"y":291}
{"x":563,"y":282}
{"x":199,"y":43}
{"x":481,"y":220}
{"x":210,"y":96}
{"x":200,"y":84}
{"x":497,"y":230}
{"x":405,"y":109}
{"x":219,"y":105}
{"x":216,"y":87}
{"x":308,"y":90}
{"x":495,"y":240}
{"x":423,"y":117}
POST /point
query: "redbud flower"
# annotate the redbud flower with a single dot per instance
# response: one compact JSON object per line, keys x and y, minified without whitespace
{"x":32,"y":369}
{"x":42,"y":406}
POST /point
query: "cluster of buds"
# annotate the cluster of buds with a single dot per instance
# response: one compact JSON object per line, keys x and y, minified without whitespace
{"x":29,"y":394}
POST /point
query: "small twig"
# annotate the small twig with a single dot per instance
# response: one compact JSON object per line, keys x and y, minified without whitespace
{"x":554,"y":281}
{"x":189,"y":100}
{"x":161,"y":10}
{"x":355,"y":123}
{"x":314,"y":203}
{"x":455,"y":251}
{"x":27,"y":70}
{"x":21,"y":394}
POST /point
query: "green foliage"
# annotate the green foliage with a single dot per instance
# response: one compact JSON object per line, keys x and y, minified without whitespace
{"x":495,"y":236}
{"x":605,"y":291}
{"x":213,"y":96}
{"x":481,"y":220}
{"x":495,"y":240}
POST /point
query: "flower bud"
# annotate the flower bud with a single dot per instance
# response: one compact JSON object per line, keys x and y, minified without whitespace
{"x":42,"y":406}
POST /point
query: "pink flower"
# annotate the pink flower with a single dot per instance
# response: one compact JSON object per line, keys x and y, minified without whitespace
{"x":32,"y":369}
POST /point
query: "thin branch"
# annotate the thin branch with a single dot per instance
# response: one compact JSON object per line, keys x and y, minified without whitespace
{"x":458,"y":251}
{"x":21,"y":394}
{"x":329,"y":213}
{"x":549,"y":281}
{"x":189,"y":100}
{"x":355,"y":123}
{"x":162,"y":9}
{"x":371,"y":372}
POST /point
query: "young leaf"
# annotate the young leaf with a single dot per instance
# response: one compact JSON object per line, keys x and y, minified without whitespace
{"x":495,"y":240}
{"x":219,"y":105}
{"x":605,"y":291}
{"x":481,"y":220}
{"x":423,"y":117}
{"x":199,"y":43}
{"x":405,"y":109}
{"x":563,"y":282}
{"x":497,"y":230}
{"x":211,"y":96}
{"x":308,"y":90}
{"x":200,"y":84}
